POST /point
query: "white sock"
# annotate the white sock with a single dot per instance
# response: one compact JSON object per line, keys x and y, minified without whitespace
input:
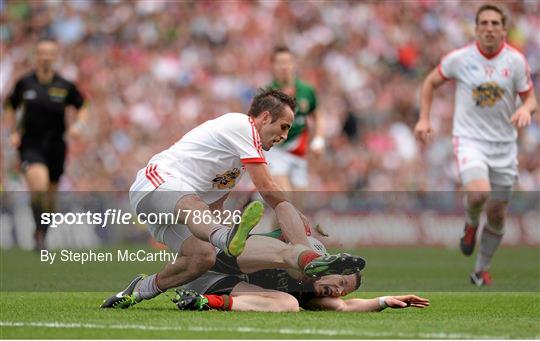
{"x":472,"y":213}
{"x":147,"y":288}
{"x":219,"y":236}
{"x":489,"y":242}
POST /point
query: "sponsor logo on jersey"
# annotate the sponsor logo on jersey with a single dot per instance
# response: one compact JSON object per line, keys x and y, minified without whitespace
{"x":487,"y":94}
{"x":226,"y":180}
{"x":30,"y":94}
{"x":57,"y":94}
{"x":282,"y":282}
{"x":303,"y":105}
{"x":299,"y":120}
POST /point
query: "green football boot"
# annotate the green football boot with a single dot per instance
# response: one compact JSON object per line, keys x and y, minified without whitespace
{"x":186,"y":299}
{"x":340,"y":264}
{"x":239,"y":233}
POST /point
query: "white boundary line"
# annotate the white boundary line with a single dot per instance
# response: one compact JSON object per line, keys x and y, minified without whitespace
{"x":284,"y":331}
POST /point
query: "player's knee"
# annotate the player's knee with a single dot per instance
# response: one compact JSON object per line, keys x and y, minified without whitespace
{"x":203,"y":260}
{"x":496,"y":215}
{"x":190,"y":203}
{"x":477,"y":197}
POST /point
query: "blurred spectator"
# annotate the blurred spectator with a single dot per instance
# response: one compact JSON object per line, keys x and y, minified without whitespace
{"x":154,"y":69}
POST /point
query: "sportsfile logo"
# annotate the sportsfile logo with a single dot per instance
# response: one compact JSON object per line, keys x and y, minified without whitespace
{"x":120,"y":217}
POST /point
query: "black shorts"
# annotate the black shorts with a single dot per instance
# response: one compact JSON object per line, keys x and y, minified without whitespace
{"x":52,"y":155}
{"x":224,"y":286}
{"x":226,"y":264}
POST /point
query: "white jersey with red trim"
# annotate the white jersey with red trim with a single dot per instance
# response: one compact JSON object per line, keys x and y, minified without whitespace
{"x":208,"y":158}
{"x":487,"y":87}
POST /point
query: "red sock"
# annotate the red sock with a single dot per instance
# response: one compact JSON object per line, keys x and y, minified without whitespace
{"x":306,"y":257}
{"x":219,"y":302}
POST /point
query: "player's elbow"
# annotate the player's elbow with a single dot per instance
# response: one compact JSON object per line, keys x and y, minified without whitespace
{"x":433,"y":81}
{"x":428,"y":86}
{"x":341,"y":305}
{"x":273,"y":197}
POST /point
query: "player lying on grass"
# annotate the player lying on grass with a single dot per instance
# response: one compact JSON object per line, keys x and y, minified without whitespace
{"x":245,"y":284}
{"x":269,"y":255}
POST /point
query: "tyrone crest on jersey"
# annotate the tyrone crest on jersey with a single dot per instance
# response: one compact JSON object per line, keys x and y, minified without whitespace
{"x":226,"y":180}
{"x":487,"y":94}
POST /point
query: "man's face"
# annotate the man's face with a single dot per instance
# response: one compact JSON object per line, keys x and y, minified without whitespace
{"x":283,"y":67}
{"x":489,"y":30}
{"x":335,"y":285}
{"x":46,"y":54}
{"x":275,"y":132}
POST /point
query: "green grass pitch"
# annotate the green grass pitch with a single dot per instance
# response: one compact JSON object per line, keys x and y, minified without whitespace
{"x":510,"y":309}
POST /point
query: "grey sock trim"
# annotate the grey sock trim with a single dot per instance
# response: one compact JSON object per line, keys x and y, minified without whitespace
{"x":219,"y":236}
{"x":148,"y":288}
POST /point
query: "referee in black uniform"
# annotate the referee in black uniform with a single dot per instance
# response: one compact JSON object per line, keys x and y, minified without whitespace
{"x":42,"y":97}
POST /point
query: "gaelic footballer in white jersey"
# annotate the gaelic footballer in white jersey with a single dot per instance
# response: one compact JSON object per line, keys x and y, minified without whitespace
{"x":490,"y":77}
{"x":192,"y":179}
{"x":209,"y":160}
{"x":197,"y":172}
{"x":195,"y":175}
{"x":485,"y":100}
{"x":486,"y":90}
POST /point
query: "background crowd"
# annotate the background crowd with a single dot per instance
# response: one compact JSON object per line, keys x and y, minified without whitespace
{"x":152,"y":70}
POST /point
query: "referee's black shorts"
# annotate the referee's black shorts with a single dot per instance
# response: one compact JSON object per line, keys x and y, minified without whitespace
{"x":50,"y":153}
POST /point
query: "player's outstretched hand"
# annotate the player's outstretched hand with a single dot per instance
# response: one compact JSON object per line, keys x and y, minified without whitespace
{"x":521,"y":118}
{"x":405,"y":301}
{"x":422,"y":131}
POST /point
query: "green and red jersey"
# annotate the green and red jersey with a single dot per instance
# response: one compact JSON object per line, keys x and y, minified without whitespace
{"x":306,"y":104}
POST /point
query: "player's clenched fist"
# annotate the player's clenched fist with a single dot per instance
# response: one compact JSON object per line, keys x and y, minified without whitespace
{"x":521,"y":118}
{"x":422,"y":131}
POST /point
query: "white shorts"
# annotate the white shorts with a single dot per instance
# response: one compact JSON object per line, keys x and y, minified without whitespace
{"x":157,"y":189}
{"x":158,"y":178}
{"x":283,"y":163}
{"x":494,"y":161}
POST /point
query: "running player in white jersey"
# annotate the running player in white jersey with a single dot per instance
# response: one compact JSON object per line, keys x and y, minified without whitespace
{"x":489,"y":75}
{"x":192,"y":179}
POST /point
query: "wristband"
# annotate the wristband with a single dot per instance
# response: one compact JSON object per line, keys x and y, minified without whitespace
{"x":317,"y":143}
{"x":382,"y":302}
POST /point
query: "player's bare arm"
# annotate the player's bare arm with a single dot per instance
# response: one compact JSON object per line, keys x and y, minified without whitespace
{"x":422,"y":130}
{"x":10,"y":123}
{"x":260,"y":175}
{"x":76,"y":129}
{"x":286,"y":213}
{"x":522,"y":117}
{"x":368,"y":305}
